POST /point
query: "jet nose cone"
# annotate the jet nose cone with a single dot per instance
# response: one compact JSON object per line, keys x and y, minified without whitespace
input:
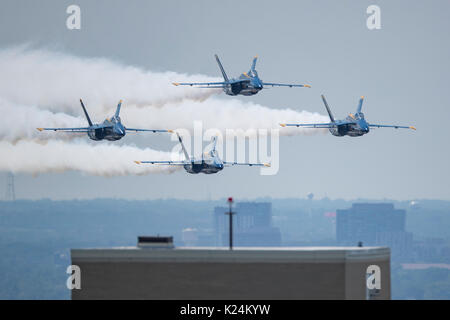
{"x":257,"y":84}
{"x":120,"y":131}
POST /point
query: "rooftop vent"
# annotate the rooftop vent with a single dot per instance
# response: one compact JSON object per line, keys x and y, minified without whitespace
{"x":155,"y":242}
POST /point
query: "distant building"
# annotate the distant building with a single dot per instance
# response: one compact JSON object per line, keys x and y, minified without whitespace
{"x":252,"y":225}
{"x":424,"y":266}
{"x":193,"y":237}
{"x":374,"y":224}
{"x":431,"y":250}
{"x":189,"y":237}
{"x":165,"y":272}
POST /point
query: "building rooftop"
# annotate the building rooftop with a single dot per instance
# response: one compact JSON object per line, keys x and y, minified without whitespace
{"x":238,"y":254}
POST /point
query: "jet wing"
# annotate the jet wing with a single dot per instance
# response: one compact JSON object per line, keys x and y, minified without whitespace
{"x":310,"y":125}
{"x":203,"y":84}
{"x":170,"y":163}
{"x":390,"y":126}
{"x":285,"y":85}
{"x":229,"y":164}
{"x":210,"y":84}
{"x":83,"y":129}
{"x":148,"y":130}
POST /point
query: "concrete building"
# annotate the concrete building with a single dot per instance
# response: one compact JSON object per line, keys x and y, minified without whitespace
{"x":374,"y":224}
{"x":163,"y":272}
{"x":252,"y":225}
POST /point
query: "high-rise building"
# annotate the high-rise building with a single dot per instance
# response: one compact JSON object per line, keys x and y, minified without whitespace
{"x":252,"y":225}
{"x":374,"y":224}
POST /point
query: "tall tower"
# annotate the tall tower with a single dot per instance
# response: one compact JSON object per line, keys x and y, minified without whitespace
{"x":10,"y":194}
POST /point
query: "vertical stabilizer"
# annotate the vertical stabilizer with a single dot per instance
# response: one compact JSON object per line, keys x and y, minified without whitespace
{"x":358,"y":110}
{"x":214,"y":142}
{"x":118,"y":109}
{"x":85,"y":113}
{"x":221,"y":69}
{"x":186,"y":154}
{"x":252,"y":68}
{"x":328,"y":108}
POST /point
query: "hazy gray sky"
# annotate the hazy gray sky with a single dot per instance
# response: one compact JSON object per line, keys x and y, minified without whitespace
{"x":402,"y":70}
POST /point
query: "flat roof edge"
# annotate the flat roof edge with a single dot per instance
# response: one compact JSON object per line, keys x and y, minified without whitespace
{"x":187,"y":255}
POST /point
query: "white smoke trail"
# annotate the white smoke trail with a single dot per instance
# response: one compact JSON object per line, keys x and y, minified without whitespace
{"x":58,"y":156}
{"x":20,"y":122}
{"x":57,"y":81}
{"x":221,"y":114}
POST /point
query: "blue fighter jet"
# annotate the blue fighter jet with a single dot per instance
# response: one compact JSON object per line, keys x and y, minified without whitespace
{"x":354,"y":125}
{"x":111,"y":129}
{"x":247,"y":84}
{"x":209,"y":162}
